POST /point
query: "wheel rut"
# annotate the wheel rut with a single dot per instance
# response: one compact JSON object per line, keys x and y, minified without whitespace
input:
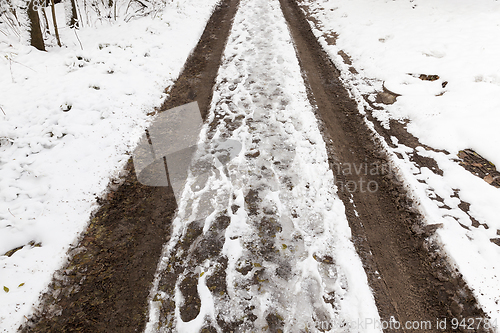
{"x":105,"y":284}
{"x":410,"y":278}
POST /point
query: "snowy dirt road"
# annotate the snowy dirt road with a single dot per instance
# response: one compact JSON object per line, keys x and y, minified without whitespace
{"x":262,"y":242}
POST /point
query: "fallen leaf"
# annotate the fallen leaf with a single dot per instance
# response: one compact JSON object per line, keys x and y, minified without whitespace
{"x":5,"y":289}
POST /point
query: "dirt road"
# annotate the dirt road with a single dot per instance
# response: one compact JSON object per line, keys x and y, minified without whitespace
{"x":106,"y":286}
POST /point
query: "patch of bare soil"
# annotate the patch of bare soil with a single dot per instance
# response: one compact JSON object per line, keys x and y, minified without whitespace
{"x":410,"y":278}
{"x":479,"y":166}
{"x":105,"y":285}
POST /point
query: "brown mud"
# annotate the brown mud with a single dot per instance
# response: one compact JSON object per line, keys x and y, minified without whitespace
{"x":479,"y":166}
{"x":105,"y":285}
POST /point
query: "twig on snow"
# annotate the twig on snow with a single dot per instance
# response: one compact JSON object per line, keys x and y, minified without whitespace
{"x":17,"y":62}
{"x":78,"y":39}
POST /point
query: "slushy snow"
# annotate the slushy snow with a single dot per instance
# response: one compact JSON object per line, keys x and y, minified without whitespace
{"x":285,"y":221}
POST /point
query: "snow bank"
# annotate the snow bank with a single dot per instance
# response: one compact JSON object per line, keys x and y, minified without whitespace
{"x":456,"y":40}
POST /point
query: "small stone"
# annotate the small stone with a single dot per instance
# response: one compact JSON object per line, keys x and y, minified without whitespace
{"x":456,"y":308}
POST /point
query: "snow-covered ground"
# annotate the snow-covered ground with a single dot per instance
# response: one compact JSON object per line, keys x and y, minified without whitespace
{"x":68,"y":121}
{"x":69,"y":118}
{"x":285,"y":249}
{"x":390,"y":44}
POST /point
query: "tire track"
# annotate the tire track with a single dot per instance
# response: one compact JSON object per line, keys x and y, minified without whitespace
{"x":105,"y":284}
{"x":409,"y":275}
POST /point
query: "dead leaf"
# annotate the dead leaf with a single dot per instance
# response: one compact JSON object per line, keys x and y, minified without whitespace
{"x":488,"y":179}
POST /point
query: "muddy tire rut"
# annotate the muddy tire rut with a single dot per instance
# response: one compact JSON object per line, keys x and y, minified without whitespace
{"x":409,"y":274}
{"x":410,"y":277}
{"x":104,"y":287}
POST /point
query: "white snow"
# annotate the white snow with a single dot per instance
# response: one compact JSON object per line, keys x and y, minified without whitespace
{"x":391,"y":43}
{"x":55,"y":161}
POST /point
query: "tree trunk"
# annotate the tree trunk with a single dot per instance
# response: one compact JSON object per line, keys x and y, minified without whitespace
{"x":54,"y":21}
{"x":46,"y":22}
{"x":72,"y":16}
{"x":35,"y":30}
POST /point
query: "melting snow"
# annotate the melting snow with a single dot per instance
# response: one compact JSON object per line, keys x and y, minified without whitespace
{"x":286,"y":225}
